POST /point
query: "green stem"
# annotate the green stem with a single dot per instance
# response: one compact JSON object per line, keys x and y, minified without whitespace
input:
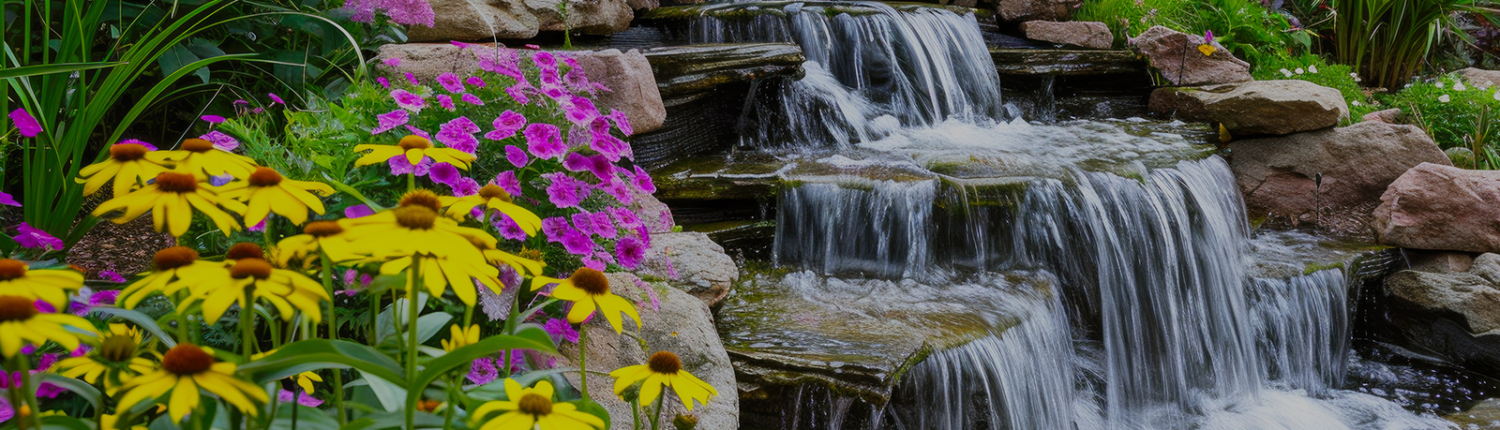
{"x":28,"y":394}
{"x":333,"y":334}
{"x":510,"y":329}
{"x":452,"y":396}
{"x":374,"y":319}
{"x":182,"y":323}
{"x":583,"y":362}
{"x":296,"y":398}
{"x":411,"y":182}
{"x":415,"y":272}
{"x":635,"y":414}
{"x":247,"y":325}
{"x":396,"y":322}
{"x":660,"y":400}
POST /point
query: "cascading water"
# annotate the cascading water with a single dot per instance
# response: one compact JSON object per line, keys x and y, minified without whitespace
{"x":865,"y":60}
{"x":1303,"y":336}
{"x":880,"y":231}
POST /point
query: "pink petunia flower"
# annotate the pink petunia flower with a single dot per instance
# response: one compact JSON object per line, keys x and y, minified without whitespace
{"x":275,"y":98}
{"x":450,"y":82}
{"x":507,"y":180}
{"x":630,"y":252}
{"x":406,"y":100}
{"x":472,"y":99}
{"x":212,"y":119}
{"x":35,"y":238}
{"x":476,"y":81}
{"x":391,"y":120}
{"x":7,"y":199}
{"x":446,"y":102}
{"x":459,"y":134}
{"x":544,"y":140}
{"x":26,"y":123}
{"x":516,"y":156}
{"x":220,"y":140}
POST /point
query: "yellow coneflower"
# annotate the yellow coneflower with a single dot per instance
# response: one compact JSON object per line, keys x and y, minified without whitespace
{"x":440,"y":268}
{"x":531,"y":408}
{"x":305,"y":381}
{"x":48,"y":285}
{"x":129,"y":165}
{"x":267,"y":191}
{"x":22,"y":324}
{"x":201,"y":159}
{"x":178,"y":263}
{"x":588,"y":289}
{"x":184,"y":370}
{"x":286,"y":290}
{"x":326,"y":236}
{"x":519,"y":263}
{"x":492,"y":197}
{"x":241,"y":251}
{"x":172,"y":198}
{"x":414,"y":148}
{"x":460,"y":337}
{"x":112,"y":421}
{"x":118,"y":358}
{"x":663,"y":369}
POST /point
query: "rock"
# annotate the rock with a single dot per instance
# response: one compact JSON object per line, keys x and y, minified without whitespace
{"x":683,"y":326}
{"x":1486,"y":266}
{"x":627,"y":74}
{"x":693,"y":262}
{"x":1065,"y":62}
{"x":1176,"y":55}
{"x":1480,"y":78}
{"x":1484,"y":415}
{"x":505,"y":19}
{"x":682,"y":70}
{"x":1388,"y":116}
{"x":1452,"y":315}
{"x":653,"y":213}
{"x":1436,"y":206}
{"x":1440,"y":261}
{"x":1255,"y":107}
{"x":1277,"y":174}
{"x":1094,"y":35}
{"x":1036,"y":10}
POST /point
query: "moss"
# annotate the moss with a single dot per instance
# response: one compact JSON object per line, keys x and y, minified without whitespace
{"x":1319,"y":267}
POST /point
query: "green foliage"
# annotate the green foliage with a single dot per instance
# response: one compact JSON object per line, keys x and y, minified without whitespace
{"x":1455,"y":114}
{"x":1313,"y":68}
{"x":1247,"y":29}
{"x":1388,"y":40}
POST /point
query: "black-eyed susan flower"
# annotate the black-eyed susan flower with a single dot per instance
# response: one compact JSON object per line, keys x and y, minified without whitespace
{"x":519,"y":263}
{"x":241,"y":251}
{"x":173,"y":198}
{"x":414,"y":229}
{"x":118,"y":357}
{"x":129,"y":165}
{"x":531,"y":408}
{"x":266,"y":191}
{"x":663,"y":369}
{"x":588,"y":289}
{"x":48,"y":285}
{"x":460,"y":337}
{"x":201,"y":159}
{"x":22,"y":324}
{"x":112,"y":421}
{"x":325,"y":236}
{"x":305,"y":381}
{"x":439,"y":270}
{"x":413,"y":149}
{"x":286,"y":290}
{"x":178,"y":263}
{"x":492,"y":197}
{"x":185,"y":369}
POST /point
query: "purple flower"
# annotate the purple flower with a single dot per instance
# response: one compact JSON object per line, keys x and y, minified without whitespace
{"x":111,"y":276}
{"x":603,"y":226}
{"x":626,"y":218}
{"x":1208,"y":37}
{"x":642,"y":181}
{"x":616,"y":188}
{"x":386,"y":83}
{"x":305,"y":399}
{"x":413,"y":79}
{"x":518,"y":92}
{"x":406,"y":100}
{"x":506,"y":125}
{"x":577,"y":243}
{"x":580,"y":110}
{"x":508,"y":228}
{"x":544,"y":60}
{"x":507,"y":181}
{"x":553,"y":227}
{"x":544,"y":140}
{"x":444,"y":173}
{"x":564,"y":191}
{"x":358,"y":211}
{"x":137,"y":142}
{"x":476,"y":81}
{"x":25,"y":122}
{"x":392,"y":62}
{"x":275,"y":98}
{"x":560,"y":330}
{"x":609,"y":146}
{"x":388,"y":121}
{"x":6,"y":411}
{"x":418,"y":131}
{"x":220,"y":140}
{"x":516,"y":156}
{"x":584,"y":222}
{"x":555,"y":93}
{"x":459,"y":134}
{"x":212,"y":119}
{"x":221,"y":179}
{"x":472,"y":99}
{"x":577,"y":79}
{"x":446,"y":102}
{"x":98,"y":298}
{"x":7,"y":199}
{"x":630,"y":252}
{"x":598,"y":165}
{"x":593,"y":261}
{"x":400,"y":166}
{"x":260,"y":226}
{"x":464,"y":187}
{"x":483,"y":371}
{"x":450,"y":82}
{"x":32,"y":237}
{"x":410,"y":12}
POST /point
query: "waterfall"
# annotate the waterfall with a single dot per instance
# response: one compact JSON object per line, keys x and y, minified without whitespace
{"x":918,"y":65}
{"x":875,"y":229}
{"x":1303,"y":329}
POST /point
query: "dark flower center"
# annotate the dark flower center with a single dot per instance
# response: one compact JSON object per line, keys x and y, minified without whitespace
{"x":590,"y":281}
{"x":534,"y":404}
{"x":665,"y":363}
{"x":197,"y":145}
{"x":264,"y":177}
{"x":416,"y":217}
{"x":493,"y":191}
{"x":244,"y":250}
{"x":186,"y":359}
{"x":176,"y":182}
{"x":250,"y":267}
{"x":127,"y":152}
{"x":11,"y":269}
{"x":16,"y":308}
{"x":174,"y":257}
{"x":421,"y":198}
{"x":323,"y":228}
{"x":414,"y":142}
{"x":117,"y":348}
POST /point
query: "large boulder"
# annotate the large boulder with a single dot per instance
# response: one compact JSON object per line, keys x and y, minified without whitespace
{"x":1437,"y":206}
{"x":693,"y":262}
{"x":682,"y":325}
{"x":1175,"y":54}
{"x":1255,"y":107}
{"x":1453,"y":315}
{"x":1093,"y":35}
{"x":505,"y":19}
{"x":1279,"y":175}
{"x":632,"y":86}
{"x":1480,"y":78}
{"x":1036,"y":10}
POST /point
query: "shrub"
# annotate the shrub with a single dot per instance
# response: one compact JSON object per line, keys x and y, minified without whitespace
{"x":1454,"y":113}
{"x":1313,"y":68}
{"x":1246,"y":28}
{"x":1388,"y":40}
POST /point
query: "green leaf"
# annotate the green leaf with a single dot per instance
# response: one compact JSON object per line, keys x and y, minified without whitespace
{"x":140,"y":320}
{"x":529,"y":338}
{"x":82,"y":389}
{"x":47,"y":69}
{"x":177,"y":57}
{"x":307,"y":419}
{"x":345,"y":188}
{"x":389,"y":394}
{"x":59,"y":422}
{"x":312,"y":354}
{"x":589,"y":407}
{"x":393,"y":420}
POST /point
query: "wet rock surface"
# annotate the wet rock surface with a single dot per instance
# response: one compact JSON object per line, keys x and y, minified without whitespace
{"x":1257,"y":107}
{"x":682,"y":70}
{"x":1435,"y":206}
{"x":1092,"y":35}
{"x":1451,"y":315}
{"x":1034,"y":10}
{"x":475,"y":20}
{"x":693,"y":262}
{"x":1176,"y":56}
